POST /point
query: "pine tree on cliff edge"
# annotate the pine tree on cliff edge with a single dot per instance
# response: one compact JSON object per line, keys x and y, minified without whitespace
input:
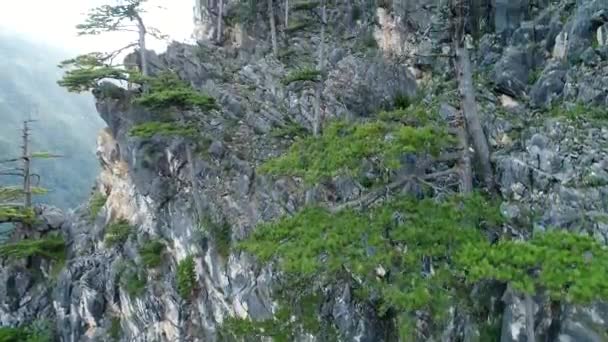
{"x":87,"y":70}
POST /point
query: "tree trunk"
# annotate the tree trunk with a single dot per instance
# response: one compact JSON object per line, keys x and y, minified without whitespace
{"x":316,"y":125}
{"x":142,"y":46}
{"x":469,"y":107}
{"x":529,"y":307}
{"x":466,"y":174}
{"x":286,"y":14}
{"x":27,"y":186}
{"x":273,"y":28}
{"x":220,"y":15}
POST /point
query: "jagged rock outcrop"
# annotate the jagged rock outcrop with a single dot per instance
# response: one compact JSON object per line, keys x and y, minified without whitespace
{"x":25,"y":293}
{"x":197,"y":195}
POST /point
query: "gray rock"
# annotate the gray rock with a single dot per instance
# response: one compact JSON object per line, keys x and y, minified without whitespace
{"x":590,"y":57}
{"x":508,"y":14}
{"x":514,"y":319}
{"x":216,"y":149}
{"x":511,"y":72}
{"x":583,"y":26}
{"x":52,"y":217}
{"x":365,"y":86}
{"x":549,"y":86}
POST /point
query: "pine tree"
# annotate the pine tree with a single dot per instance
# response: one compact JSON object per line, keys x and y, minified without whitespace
{"x":84,"y":72}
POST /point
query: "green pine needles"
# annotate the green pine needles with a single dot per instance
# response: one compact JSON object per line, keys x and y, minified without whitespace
{"x":151,"y":253}
{"x":133,"y":282}
{"x":343,"y":146}
{"x":118,"y":233}
{"x":96,"y":203}
{"x":390,"y":249}
{"x":39,"y":331}
{"x":115,"y":329}
{"x":303,"y":74}
{"x":52,"y":248}
{"x":17,"y":214}
{"x":163,"y":91}
{"x":186,"y":277}
{"x":149,"y":129}
{"x":220,"y":232}
{"x":565,"y":266}
{"x":85,"y":72}
{"x":167,"y":90}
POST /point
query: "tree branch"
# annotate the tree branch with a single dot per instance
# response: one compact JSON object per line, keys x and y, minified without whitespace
{"x":12,"y":160}
{"x":371,"y":197}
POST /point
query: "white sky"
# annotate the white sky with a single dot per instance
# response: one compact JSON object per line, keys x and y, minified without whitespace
{"x":53,"y":22}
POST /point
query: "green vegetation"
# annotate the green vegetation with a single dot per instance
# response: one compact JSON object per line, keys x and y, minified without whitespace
{"x":163,"y":91}
{"x":567,"y":267}
{"x":407,"y":255}
{"x":318,"y":245}
{"x":13,"y":334}
{"x":303,"y":74}
{"x":118,"y":233}
{"x":167,"y":90}
{"x":134,"y":282}
{"x":10,"y":209}
{"x":534,"y":75}
{"x":579,"y":112}
{"x":297,"y":25}
{"x":290,"y":130}
{"x":403,"y":101}
{"x":43,"y":155}
{"x":595,"y":42}
{"x":283,"y":326}
{"x":304,"y":6}
{"x":342,"y":147}
{"x":151,"y":253}
{"x":52,"y":247}
{"x":39,"y":331}
{"x":85,"y":72}
{"x":17,"y":214}
{"x":219,"y":232}
{"x":96,"y":203}
{"x":167,"y":129}
{"x":186,"y":277}
{"x":115,"y":330}
{"x":277,"y":328}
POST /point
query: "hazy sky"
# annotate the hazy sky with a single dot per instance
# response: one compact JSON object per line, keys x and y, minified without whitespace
{"x":52,"y":22}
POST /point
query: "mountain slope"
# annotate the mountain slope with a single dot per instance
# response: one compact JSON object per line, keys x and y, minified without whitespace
{"x":67,"y":123}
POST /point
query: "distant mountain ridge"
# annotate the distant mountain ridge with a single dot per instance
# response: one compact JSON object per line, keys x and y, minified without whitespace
{"x":67,"y":123}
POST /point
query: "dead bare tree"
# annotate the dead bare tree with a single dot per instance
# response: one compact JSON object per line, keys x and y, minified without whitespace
{"x":11,"y":210}
{"x":27,"y":185}
{"x":464,"y":73}
{"x":220,"y":15}
{"x":273,"y":28}
{"x":316,"y":124}
{"x":286,"y":14}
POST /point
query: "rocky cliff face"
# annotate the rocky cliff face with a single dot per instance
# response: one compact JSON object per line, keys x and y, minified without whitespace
{"x":201,"y":195}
